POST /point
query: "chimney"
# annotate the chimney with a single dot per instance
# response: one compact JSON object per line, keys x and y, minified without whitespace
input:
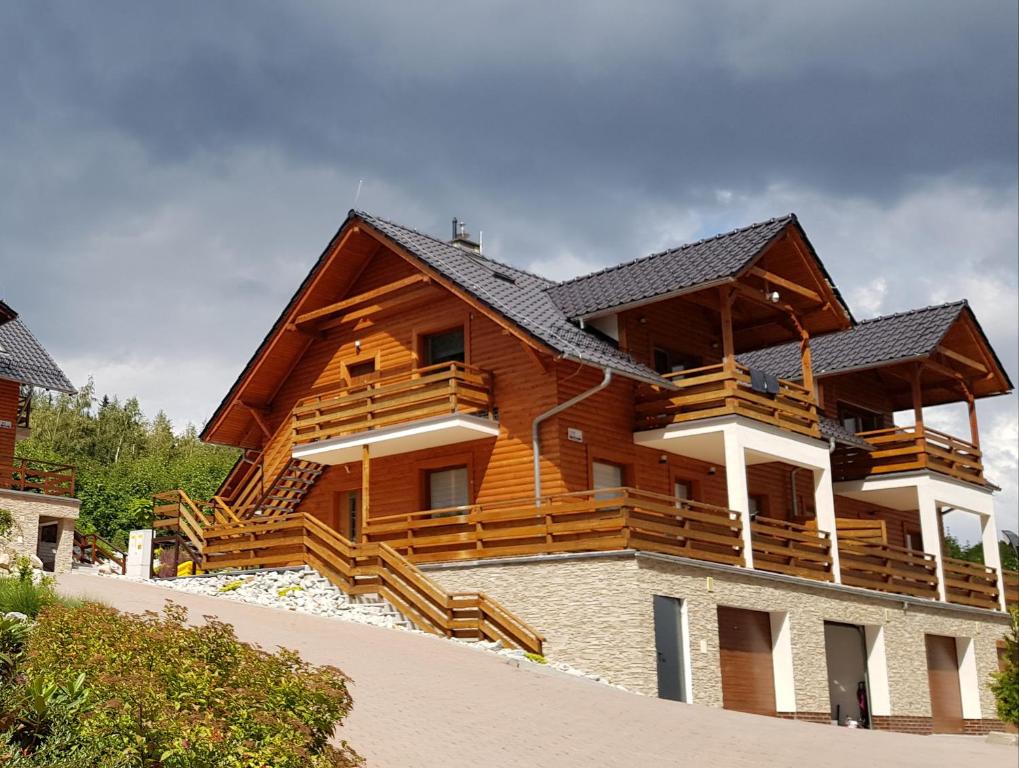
{"x":462,"y":238}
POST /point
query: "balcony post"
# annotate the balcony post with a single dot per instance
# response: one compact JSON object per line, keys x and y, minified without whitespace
{"x":728,"y":345}
{"x":736,"y":485}
{"x":992,"y":555}
{"x":365,"y":482}
{"x":824,"y":506}
{"x":930,"y":533}
{"x":972,"y":407}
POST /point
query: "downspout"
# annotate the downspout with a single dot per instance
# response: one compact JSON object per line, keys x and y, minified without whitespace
{"x":536,"y":425}
{"x":792,"y":491}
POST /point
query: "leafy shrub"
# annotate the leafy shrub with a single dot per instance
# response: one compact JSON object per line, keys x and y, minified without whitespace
{"x":6,"y":523}
{"x":1006,"y":682}
{"x":13,"y":636}
{"x":21,"y":594}
{"x":159,"y":694}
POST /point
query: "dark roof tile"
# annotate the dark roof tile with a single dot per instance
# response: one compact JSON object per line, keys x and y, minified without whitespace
{"x":23,"y":359}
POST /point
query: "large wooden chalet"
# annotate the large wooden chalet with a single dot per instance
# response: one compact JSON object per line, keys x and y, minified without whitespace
{"x":682,"y":472}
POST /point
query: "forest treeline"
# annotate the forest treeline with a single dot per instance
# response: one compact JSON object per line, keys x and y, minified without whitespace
{"x":121,"y":457}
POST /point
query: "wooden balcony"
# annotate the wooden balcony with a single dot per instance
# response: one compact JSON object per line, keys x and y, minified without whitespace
{"x":36,"y":476}
{"x":886,"y":568}
{"x":905,"y":449}
{"x":1011,"y":580}
{"x":969,"y":583}
{"x":715,"y":390}
{"x":587,"y":521}
{"x":438,"y":390}
{"x":791,"y":548}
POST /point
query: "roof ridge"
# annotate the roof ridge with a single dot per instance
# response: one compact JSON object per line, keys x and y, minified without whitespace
{"x":739,"y":230}
{"x":433,"y":238}
{"x":914,"y":311}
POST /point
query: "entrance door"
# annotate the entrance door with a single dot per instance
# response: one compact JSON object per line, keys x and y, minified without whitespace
{"x":846,"y":654}
{"x":347,"y":514}
{"x":943,"y":677}
{"x":744,"y":651}
{"x":46,"y":546}
{"x":669,"y":648}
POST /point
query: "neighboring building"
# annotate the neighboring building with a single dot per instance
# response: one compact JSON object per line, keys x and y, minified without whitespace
{"x":39,"y":494}
{"x":682,"y":470}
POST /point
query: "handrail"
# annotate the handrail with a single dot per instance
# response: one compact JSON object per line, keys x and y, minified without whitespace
{"x":786,"y":547}
{"x":37,"y":476}
{"x":1011,"y":581}
{"x":95,"y":543}
{"x":888,"y":568}
{"x":910,"y":448}
{"x":970,"y":583}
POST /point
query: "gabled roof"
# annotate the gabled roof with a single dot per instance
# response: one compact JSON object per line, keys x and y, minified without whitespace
{"x":519,"y":296}
{"x":690,"y":266}
{"x":879,"y":341}
{"x":23,"y":359}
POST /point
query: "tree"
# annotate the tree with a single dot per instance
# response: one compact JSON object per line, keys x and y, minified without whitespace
{"x":1005,"y":683}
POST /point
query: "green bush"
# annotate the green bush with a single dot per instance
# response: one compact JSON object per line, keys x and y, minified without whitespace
{"x":1006,"y":682}
{"x":21,"y":594}
{"x":6,"y":523}
{"x":100,"y":688}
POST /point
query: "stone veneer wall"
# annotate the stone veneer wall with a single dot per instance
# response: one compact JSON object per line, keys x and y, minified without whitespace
{"x":27,"y":508}
{"x":596,"y":614}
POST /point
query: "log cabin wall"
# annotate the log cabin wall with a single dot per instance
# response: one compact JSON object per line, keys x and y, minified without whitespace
{"x":677,"y":325}
{"x":8,"y":417}
{"x":898,"y":523}
{"x":863,"y":389}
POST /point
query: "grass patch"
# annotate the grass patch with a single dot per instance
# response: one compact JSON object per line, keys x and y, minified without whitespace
{"x":24,"y":596}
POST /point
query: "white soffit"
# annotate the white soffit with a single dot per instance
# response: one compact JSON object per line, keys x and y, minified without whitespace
{"x":401,"y":438}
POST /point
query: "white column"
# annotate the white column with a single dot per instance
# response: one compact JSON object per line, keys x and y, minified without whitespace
{"x":969,"y":680}
{"x":992,"y":555}
{"x":824,"y":506}
{"x":930,"y":532}
{"x":139,"y":554}
{"x":877,"y":671}
{"x":736,"y":484}
{"x":782,"y":662}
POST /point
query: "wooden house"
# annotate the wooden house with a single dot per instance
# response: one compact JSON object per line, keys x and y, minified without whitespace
{"x":682,"y":472}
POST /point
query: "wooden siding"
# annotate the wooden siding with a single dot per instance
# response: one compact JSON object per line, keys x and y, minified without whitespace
{"x":8,"y":416}
{"x":744,"y":654}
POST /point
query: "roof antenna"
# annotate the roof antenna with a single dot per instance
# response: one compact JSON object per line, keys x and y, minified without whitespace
{"x":357,"y":195}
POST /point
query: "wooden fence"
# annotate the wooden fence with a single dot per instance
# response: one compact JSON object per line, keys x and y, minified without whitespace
{"x":791,"y":548}
{"x":887,"y":568}
{"x":418,"y":394}
{"x":969,"y":583}
{"x":714,"y":390}
{"x":1011,"y":581}
{"x":586,"y":521}
{"x":37,"y":476}
{"x":903,"y":449}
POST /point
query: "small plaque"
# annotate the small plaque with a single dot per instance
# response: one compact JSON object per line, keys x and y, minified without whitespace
{"x":574,"y":434}
{"x":5,"y":424}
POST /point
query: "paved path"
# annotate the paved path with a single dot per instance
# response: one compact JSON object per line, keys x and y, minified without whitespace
{"x":422,"y":702}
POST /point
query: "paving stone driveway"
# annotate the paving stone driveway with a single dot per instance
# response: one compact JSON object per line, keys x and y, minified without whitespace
{"x":422,"y":702}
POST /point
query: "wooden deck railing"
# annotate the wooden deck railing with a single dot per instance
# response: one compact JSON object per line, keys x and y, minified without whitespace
{"x":37,"y":476}
{"x":586,"y":521}
{"x":714,"y":390}
{"x":887,"y":568}
{"x":297,"y":538}
{"x":1011,"y":582}
{"x":91,"y":548}
{"x":791,"y":548}
{"x":903,"y":449}
{"x":969,"y":583}
{"x":418,"y":394}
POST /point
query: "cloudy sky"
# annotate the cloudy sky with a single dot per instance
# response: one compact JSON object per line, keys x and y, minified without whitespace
{"x":171,"y":170}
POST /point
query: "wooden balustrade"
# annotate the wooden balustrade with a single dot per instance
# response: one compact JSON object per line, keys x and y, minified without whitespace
{"x":790,"y":548}
{"x":91,"y":547}
{"x":418,"y":394}
{"x":297,"y":539}
{"x":1011,"y":581}
{"x":717,"y":390}
{"x":909,"y":448}
{"x":887,"y":568}
{"x":969,"y":583}
{"x":586,"y":521}
{"x":37,"y":476}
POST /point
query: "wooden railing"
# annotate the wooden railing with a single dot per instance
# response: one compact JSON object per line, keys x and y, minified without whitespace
{"x":36,"y":476}
{"x":969,"y":583}
{"x":175,"y":510}
{"x":887,"y":568}
{"x":586,"y":521}
{"x":297,"y":538}
{"x":1011,"y":582}
{"x":903,"y":449}
{"x":791,"y":548}
{"x":715,"y":390}
{"x":418,"y":394}
{"x":90,"y":547}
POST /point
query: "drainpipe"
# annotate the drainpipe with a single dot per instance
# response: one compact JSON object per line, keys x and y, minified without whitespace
{"x":792,"y":491}
{"x":536,"y":425}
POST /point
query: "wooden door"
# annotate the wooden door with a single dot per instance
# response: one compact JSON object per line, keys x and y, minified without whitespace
{"x":744,"y":650}
{"x":943,"y":677}
{"x":346,"y":516}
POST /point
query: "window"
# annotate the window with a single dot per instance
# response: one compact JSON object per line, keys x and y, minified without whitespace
{"x":682,"y":490}
{"x":606,"y":475}
{"x":360,"y":371}
{"x":447,"y":488}
{"x":857,"y":419}
{"x":48,"y":533}
{"x":669,"y":362}
{"x":661,"y":358}
{"x":758,"y":505}
{"x":445,"y":347}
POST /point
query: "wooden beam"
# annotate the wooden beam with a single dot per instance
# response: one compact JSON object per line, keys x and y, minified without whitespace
{"x":365,"y":483}
{"x":974,"y":429}
{"x":414,"y":294}
{"x":789,"y":285}
{"x":728,"y":345}
{"x":256,"y":414}
{"x":758,"y":297}
{"x":361,"y":298}
{"x":960,"y":358}
{"x":917,"y":398}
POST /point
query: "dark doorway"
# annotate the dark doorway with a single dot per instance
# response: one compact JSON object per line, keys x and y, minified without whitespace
{"x":845,"y":648}
{"x":670,"y":648}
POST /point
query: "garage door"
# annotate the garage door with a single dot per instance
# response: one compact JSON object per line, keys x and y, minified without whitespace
{"x":943,"y":674}
{"x":744,"y":648}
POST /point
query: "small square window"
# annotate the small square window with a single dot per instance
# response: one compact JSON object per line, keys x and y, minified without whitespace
{"x":360,"y":371}
{"x":445,"y":347}
{"x":447,"y":488}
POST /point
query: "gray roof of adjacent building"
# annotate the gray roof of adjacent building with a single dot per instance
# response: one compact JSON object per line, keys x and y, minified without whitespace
{"x":24,"y":359}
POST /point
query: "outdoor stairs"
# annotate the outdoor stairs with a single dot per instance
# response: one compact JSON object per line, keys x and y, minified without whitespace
{"x":385,"y":608}
{"x":289,"y":488}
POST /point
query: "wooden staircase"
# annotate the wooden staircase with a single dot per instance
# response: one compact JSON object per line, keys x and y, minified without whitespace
{"x":223,"y":540}
{"x":287,"y":489}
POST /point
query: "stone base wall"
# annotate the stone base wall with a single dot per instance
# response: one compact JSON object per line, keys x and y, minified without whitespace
{"x":922,"y":726}
{"x":822,"y":718}
{"x":596,"y":614}
{"x":27,"y":509}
